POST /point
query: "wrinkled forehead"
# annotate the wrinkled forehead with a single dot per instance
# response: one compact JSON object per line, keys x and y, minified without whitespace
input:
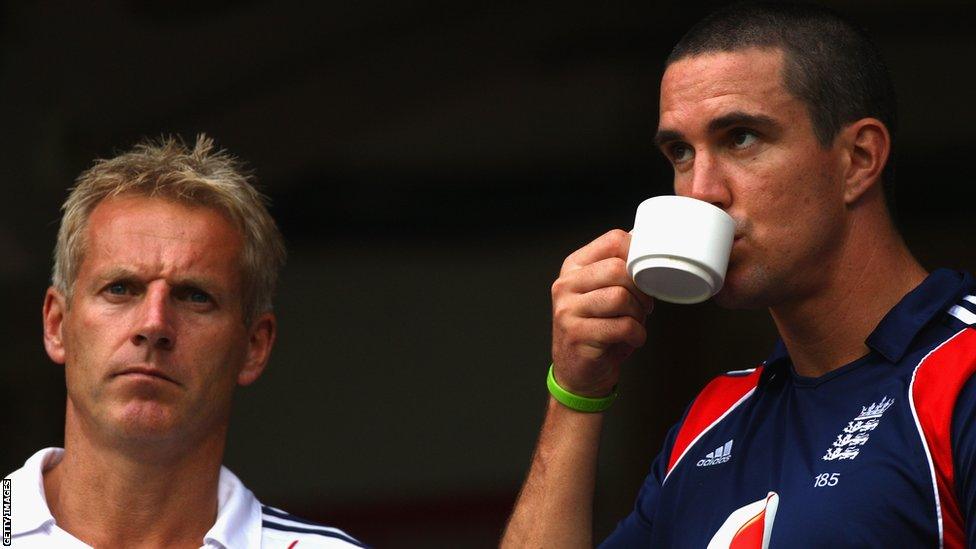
{"x":749,"y":80}
{"x":135,"y":217}
{"x":139,"y":228}
{"x":152,"y":210}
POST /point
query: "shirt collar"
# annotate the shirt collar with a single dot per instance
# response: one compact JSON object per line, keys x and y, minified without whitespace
{"x":238,"y":521}
{"x":897,"y":330}
{"x":28,"y":509}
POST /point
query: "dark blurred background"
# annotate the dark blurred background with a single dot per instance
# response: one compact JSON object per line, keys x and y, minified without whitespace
{"x":430,"y":163}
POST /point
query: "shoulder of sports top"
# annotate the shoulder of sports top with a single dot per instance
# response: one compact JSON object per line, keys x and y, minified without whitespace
{"x":241,"y":519}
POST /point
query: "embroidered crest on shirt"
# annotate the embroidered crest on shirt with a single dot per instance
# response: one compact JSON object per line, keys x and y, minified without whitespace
{"x":858,"y":431}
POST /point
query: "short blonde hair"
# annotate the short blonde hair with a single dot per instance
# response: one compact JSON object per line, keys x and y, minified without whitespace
{"x":168,"y":169}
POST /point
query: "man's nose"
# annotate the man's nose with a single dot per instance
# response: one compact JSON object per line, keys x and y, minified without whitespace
{"x":154,"y":328}
{"x":708,"y":181}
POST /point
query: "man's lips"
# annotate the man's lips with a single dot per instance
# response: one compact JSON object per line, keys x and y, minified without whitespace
{"x":144,"y":371}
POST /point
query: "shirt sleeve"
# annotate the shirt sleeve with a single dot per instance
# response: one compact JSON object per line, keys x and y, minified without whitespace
{"x":964,"y":456}
{"x":635,"y":530}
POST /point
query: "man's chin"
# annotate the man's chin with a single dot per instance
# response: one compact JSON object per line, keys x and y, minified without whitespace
{"x":146,"y":420}
{"x":738,"y":293}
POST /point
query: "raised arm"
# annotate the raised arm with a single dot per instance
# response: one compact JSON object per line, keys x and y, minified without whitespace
{"x":597,"y":322}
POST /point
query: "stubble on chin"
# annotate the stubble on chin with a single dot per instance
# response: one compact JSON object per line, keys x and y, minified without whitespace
{"x":745,"y":288}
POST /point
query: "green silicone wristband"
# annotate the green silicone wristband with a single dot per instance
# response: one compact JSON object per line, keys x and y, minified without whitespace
{"x":576,"y":402}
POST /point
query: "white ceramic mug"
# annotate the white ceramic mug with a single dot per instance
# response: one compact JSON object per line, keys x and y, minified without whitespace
{"x":679,"y":248}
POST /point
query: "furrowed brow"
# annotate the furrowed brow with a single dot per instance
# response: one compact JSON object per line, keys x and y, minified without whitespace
{"x":724,"y":122}
{"x":112,"y":275}
{"x":667,"y":136}
{"x":117,"y":273}
{"x":200,"y":283}
{"x":124,"y":274}
{"x":739,"y":118}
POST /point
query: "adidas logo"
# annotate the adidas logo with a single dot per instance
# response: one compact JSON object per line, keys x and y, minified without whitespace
{"x":719,"y":455}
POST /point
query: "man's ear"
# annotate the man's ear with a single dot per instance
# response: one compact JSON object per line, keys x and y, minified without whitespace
{"x":867,"y":144}
{"x":259,"y":343}
{"x":52,"y":317}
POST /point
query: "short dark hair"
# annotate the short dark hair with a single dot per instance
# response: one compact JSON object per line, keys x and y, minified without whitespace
{"x":831,"y":64}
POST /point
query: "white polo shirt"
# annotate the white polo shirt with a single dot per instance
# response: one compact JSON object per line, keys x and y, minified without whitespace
{"x":242,"y":522}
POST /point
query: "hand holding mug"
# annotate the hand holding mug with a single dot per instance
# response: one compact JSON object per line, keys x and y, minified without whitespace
{"x":598,"y":316}
{"x":679,"y":250}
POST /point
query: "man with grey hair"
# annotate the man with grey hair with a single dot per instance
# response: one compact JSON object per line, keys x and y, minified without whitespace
{"x":165,"y":266}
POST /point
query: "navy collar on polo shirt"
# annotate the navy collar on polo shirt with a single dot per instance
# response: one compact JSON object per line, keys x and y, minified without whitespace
{"x":897,"y":330}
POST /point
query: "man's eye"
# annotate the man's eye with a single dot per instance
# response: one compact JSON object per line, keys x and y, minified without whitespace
{"x":681,"y":152}
{"x":743,"y":138}
{"x":193,"y":295}
{"x":117,"y":288}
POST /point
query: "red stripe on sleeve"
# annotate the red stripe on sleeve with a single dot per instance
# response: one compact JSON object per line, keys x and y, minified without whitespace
{"x":938,"y":380}
{"x":714,"y":401}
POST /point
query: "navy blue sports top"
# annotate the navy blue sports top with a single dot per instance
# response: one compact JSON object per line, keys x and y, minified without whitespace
{"x":878,"y":453}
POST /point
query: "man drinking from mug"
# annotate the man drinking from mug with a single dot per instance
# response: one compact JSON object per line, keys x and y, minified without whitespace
{"x":858,"y":430}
